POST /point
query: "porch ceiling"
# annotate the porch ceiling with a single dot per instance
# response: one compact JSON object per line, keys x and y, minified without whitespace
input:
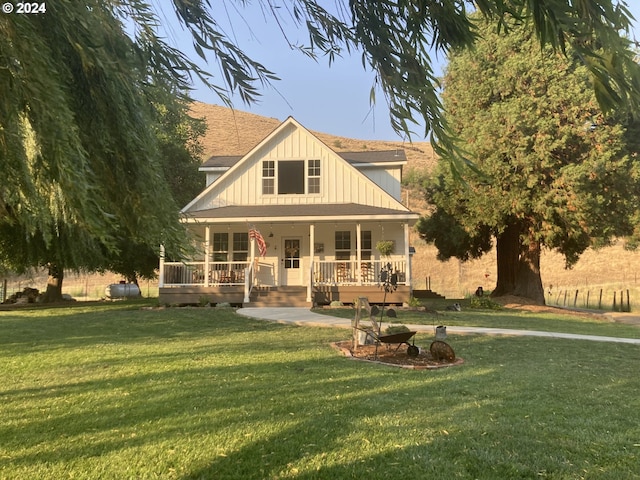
{"x":314,"y":212}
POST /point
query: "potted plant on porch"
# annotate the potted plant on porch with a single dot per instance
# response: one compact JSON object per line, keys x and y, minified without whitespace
{"x":386,"y":247}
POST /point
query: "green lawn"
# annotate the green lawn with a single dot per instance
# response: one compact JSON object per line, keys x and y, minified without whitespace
{"x":116,"y":392}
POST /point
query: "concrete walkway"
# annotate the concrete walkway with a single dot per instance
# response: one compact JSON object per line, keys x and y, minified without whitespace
{"x":303,"y":316}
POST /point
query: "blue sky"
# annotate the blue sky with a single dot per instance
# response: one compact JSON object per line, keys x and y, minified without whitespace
{"x":331,"y":99}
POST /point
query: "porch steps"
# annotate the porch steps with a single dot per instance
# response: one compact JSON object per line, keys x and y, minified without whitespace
{"x":278,"y":297}
{"x":430,"y":294}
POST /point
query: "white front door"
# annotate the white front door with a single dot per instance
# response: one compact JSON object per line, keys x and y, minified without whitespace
{"x":291,"y":261}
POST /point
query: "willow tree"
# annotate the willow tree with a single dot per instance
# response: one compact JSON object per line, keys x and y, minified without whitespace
{"x":78,"y":142}
{"x":551,"y":170}
{"x":78,"y":145}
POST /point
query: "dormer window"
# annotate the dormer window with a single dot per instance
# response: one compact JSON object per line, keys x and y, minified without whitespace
{"x":287,"y":177}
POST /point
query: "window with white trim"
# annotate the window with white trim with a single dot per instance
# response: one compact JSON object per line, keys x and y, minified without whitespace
{"x":220,"y":247}
{"x":313,"y":176}
{"x":240,"y":246}
{"x":268,"y":177}
{"x":365,"y":244}
{"x":343,"y":245}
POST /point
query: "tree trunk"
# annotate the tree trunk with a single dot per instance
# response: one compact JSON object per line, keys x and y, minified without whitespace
{"x":518,"y":266}
{"x":54,"y":284}
{"x":507,"y":253}
{"x":529,"y":282}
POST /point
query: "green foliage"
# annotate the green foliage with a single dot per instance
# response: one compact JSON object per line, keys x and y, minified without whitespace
{"x":542,"y":177}
{"x":393,"y":329}
{"x":385,"y":247}
{"x":484,"y":303}
{"x":414,"y":302}
{"x":415,"y":177}
{"x":78,"y":143}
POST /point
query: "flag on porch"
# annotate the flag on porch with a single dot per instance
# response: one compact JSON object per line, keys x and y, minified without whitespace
{"x":257,"y":236}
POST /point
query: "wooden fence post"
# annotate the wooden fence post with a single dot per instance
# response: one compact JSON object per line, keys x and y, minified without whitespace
{"x":588,"y":292}
{"x":628,"y":302}
{"x":615,"y":305}
{"x":600,"y":301}
{"x":575,"y":299}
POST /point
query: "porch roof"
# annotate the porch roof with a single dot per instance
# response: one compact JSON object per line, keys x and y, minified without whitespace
{"x":313,"y":212}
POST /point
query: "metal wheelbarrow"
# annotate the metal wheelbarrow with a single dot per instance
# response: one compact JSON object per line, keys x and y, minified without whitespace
{"x":401,"y":338}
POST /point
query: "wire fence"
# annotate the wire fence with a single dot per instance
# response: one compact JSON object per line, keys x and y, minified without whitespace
{"x":608,"y":299}
{"x":87,"y":287}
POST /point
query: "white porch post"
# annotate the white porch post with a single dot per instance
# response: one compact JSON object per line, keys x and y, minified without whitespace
{"x":359,"y":252}
{"x":207,"y":247}
{"x":407,"y":256}
{"x":253,"y":250}
{"x":312,"y":241}
{"x":249,"y":278}
{"x":161,"y":276}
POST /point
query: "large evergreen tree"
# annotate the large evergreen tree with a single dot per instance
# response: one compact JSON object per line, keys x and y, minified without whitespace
{"x":550,"y":170}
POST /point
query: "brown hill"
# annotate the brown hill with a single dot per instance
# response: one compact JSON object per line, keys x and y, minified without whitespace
{"x":234,"y":132}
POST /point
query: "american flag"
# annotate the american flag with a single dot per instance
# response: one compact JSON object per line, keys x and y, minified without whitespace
{"x":257,"y":236}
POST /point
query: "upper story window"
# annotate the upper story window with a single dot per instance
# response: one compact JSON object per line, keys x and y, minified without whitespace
{"x":290,"y":177}
{"x":313,"y":174}
{"x":268,"y":177}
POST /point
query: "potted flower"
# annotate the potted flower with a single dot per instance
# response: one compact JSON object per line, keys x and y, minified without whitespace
{"x":386,"y":247}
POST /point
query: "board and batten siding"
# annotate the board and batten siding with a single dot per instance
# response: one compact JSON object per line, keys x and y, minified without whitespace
{"x":340,"y":181}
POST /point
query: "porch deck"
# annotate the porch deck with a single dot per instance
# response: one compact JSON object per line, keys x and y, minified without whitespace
{"x":233,"y":282}
{"x":322,"y":295}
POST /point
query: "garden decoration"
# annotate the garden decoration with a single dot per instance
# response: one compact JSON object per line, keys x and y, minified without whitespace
{"x":389,"y":282}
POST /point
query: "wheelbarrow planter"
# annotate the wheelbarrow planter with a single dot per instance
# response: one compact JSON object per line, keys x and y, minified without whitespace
{"x":401,"y":338}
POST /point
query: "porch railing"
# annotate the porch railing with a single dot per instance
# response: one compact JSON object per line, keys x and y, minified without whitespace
{"x":323,"y":272}
{"x":195,"y":273}
{"x":349,"y":272}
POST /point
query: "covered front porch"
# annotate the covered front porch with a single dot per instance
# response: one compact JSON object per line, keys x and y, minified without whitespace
{"x":322,"y":260}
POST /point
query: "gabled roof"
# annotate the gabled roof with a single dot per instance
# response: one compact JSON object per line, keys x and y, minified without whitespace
{"x":226,"y":191}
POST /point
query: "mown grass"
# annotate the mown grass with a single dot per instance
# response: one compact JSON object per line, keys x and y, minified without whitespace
{"x":113,"y":392}
{"x":592,"y":324}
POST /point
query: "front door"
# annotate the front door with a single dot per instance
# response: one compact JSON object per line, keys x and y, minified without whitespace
{"x":291,"y":262}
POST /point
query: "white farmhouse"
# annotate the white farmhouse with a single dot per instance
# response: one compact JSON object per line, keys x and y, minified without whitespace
{"x":292,"y":222}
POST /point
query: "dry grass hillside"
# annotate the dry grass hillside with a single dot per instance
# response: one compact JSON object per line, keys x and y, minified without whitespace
{"x":234,"y":132}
